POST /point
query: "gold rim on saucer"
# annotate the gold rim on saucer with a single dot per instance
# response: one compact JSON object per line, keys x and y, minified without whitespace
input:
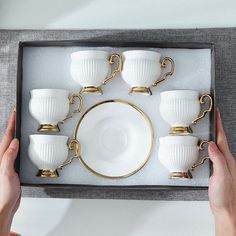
{"x":48,"y":127}
{"x":181,"y":175}
{"x":142,"y":90}
{"x":179,"y":129}
{"x":48,"y":173}
{"x":148,"y":121}
{"x":91,"y":89}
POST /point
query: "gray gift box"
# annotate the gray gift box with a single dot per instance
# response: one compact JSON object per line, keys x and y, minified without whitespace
{"x":153,"y":38}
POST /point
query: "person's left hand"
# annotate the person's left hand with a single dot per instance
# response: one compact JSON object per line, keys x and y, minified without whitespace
{"x":9,"y":180}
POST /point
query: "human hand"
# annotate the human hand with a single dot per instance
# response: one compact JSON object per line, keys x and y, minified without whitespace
{"x":222,"y":183}
{"x":9,"y":180}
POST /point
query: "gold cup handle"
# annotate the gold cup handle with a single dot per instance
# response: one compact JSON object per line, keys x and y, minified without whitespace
{"x":72,"y":100}
{"x":76,"y":147}
{"x":201,"y":148}
{"x":163,"y":65}
{"x":202,"y":102}
{"x":116,"y":70}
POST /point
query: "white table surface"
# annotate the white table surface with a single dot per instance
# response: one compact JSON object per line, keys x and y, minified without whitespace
{"x":42,"y":217}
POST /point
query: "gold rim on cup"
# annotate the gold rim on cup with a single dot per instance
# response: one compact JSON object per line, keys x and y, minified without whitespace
{"x":142,"y":90}
{"x":91,"y":89}
{"x":181,"y":175}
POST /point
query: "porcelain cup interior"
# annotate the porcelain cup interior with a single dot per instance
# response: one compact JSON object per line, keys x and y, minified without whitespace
{"x":48,"y":152}
{"x":141,"y":68}
{"x":90,"y":67}
{"x":179,"y":107}
{"x":178,"y":153}
{"x":49,"y":106}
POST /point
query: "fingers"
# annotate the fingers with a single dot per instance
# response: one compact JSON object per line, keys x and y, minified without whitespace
{"x":8,"y":135}
{"x":9,"y":156}
{"x":219,"y":162}
{"x":222,"y":141}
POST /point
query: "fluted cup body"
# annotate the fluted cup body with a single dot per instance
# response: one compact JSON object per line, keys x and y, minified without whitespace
{"x":179,"y":107}
{"x":89,"y":68}
{"x":141,"y":68}
{"x":49,"y":106}
{"x":178,"y":153}
{"x":48,"y":152}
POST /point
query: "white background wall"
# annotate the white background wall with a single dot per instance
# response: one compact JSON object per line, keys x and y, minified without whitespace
{"x":41,"y":217}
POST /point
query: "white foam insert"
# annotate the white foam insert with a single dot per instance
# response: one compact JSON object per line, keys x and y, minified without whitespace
{"x":48,"y":67}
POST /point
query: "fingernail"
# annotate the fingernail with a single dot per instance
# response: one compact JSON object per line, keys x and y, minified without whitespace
{"x":212,"y":146}
{"x":14,"y":144}
{"x":14,"y":110}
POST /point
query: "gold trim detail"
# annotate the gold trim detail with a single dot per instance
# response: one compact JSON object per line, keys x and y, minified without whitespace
{"x":201,"y":148}
{"x":202,"y":102}
{"x":48,"y":127}
{"x":72,"y":100}
{"x":142,"y":90}
{"x":199,"y":163}
{"x":91,"y":89}
{"x":169,"y":73}
{"x":179,"y":129}
{"x":116,"y":70}
{"x":48,"y":173}
{"x":181,"y":175}
{"x":146,"y":118}
{"x":76,"y":147}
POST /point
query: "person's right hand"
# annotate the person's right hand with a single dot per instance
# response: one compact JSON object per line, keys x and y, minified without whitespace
{"x":222,"y":184}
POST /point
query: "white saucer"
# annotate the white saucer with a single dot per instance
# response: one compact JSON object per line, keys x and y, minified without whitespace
{"x":116,"y":139}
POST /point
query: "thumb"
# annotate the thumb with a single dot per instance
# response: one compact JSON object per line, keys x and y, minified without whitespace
{"x":218,"y":159}
{"x":9,"y":156}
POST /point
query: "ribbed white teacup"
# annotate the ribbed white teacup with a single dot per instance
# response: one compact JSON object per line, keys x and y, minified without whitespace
{"x":92,"y":68}
{"x":179,"y":154}
{"x":49,"y":153}
{"x":181,"y":108}
{"x":142,"y":69}
{"x":51,"y":106}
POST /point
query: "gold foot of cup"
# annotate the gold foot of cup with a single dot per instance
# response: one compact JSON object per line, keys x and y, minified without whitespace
{"x":181,"y":175}
{"x":91,"y":89}
{"x":142,"y":90}
{"x":48,"y":127}
{"x":179,"y":130}
{"x":48,"y":173}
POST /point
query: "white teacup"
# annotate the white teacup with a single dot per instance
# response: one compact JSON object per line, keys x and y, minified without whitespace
{"x":49,"y":153}
{"x":142,"y":69}
{"x":51,"y":107}
{"x":92,"y":67}
{"x":179,"y":154}
{"x":181,"y":108}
